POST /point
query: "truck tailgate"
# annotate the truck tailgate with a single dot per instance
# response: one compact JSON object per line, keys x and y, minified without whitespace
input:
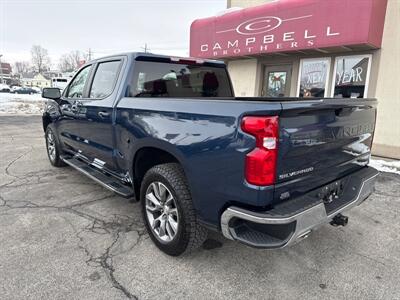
{"x":320,"y":141}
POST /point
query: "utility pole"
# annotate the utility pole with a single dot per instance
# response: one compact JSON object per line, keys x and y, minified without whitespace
{"x":145,"y":48}
{"x":90,"y":54}
{"x":1,"y":70}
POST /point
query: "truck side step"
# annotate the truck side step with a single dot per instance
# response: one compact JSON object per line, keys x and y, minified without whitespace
{"x":105,"y":180}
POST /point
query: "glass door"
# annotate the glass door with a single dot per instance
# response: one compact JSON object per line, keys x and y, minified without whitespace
{"x":276,"y":81}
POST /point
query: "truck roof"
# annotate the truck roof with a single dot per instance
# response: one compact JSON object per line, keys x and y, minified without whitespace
{"x":135,"y":55}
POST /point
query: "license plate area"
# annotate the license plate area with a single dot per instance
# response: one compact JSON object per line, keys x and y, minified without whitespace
{"x":337,"y":194}
{"x":331,"y":192}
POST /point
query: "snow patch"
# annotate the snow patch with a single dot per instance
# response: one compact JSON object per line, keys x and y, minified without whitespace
{"x":21,"y":104}
{"x":392,"y":166}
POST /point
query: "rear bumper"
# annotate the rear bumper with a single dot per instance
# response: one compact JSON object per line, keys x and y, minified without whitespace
{"x":290,"y":222}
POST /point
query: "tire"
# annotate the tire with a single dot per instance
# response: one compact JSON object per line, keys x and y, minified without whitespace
{"x":189,"y":234}
{"x":53,"y":155}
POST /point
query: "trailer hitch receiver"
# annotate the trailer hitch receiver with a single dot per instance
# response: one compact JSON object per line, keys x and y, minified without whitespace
{"x":339,"y":220}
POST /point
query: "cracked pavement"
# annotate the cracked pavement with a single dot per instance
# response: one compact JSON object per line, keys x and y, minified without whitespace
{"x":65,"y":237}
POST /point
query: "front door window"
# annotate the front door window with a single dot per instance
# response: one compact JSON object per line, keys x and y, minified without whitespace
{"x":76,"y":87}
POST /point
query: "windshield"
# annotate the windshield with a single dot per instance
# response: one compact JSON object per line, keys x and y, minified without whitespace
{"x":159,"y":79}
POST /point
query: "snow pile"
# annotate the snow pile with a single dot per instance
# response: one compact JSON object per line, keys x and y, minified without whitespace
{"x":21,"y":104}
{"x":392,"y":166}
{"x":22,"y":107}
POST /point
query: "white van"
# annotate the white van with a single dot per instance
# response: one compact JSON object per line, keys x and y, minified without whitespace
{"x":59,"y":82}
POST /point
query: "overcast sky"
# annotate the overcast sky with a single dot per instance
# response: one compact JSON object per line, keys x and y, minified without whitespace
{"x":105,"y":26}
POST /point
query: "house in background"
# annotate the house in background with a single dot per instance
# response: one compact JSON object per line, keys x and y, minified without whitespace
{"x":35,"y":79}
{"x":52,"y":74}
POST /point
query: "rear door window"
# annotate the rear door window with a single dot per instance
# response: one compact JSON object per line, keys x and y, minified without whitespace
{"x":159,"y":79}
{"x":104,"y":79}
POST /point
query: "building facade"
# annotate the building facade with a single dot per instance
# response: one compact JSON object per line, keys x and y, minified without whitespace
{"x":5,"y":72}
{"x":312,"y":48}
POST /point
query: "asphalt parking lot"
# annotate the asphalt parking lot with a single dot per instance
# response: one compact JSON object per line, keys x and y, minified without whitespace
{"x":65,"y":237}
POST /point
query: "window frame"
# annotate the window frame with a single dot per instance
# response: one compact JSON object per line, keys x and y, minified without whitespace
{"x":332,"y":94}
{"x":329,"y":59}
{"x":93,"y":75}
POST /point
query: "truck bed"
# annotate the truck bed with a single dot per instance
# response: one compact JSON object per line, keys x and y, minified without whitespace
{"x":319,"y":140}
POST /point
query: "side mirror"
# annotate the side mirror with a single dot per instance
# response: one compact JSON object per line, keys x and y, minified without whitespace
{"x":51,"y":93}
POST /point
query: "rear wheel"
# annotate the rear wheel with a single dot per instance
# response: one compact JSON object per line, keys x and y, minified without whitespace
{"x":53,"y":148}
{"x":168,"y":210}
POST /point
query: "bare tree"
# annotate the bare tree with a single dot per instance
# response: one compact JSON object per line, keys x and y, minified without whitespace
{"x":77,"y":57}
{"x":71,"y":61}
{"x":22,"y":67}
{"x":65,"y":64}
{"x":40,"y":58}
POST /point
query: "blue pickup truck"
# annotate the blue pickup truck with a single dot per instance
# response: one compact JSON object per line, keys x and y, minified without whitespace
{"x":170,"y":133}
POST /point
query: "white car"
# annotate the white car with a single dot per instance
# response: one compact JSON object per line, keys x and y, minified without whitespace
{"x":14,"y":88}
{"x":4,"y":88}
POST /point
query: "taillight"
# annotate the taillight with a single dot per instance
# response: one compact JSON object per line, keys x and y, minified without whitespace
{"x":260,"y":166}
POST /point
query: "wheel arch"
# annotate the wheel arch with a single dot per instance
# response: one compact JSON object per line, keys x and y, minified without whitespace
{"x":147,"y":157}
{"x":46,"y":120}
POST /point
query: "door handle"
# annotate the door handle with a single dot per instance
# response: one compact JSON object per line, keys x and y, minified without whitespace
{"x":103,"y":114}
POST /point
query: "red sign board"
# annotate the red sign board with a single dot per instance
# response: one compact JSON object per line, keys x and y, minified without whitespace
{"x":289,"y":25}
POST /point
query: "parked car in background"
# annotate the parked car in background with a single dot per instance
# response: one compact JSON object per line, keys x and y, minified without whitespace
{"x":4,"y":88}
{"x":38,"y":90}
{"x":170,"y":133}
{"x":60,"y":83}
{"x":14,"y":88}
{"x":25,"y":90}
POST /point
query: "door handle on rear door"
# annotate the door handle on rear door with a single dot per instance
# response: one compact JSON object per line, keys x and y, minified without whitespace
{"x":103,"y":114}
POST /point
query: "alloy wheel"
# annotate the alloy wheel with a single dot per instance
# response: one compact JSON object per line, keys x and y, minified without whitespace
{"x":51,"y":145}
{"x":161,"y":212}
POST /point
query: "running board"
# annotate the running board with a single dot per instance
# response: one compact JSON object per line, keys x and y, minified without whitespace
{"x":105,"y":180}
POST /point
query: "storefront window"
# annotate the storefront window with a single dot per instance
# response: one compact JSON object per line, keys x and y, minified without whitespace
{"x":351,"y":76}
{"x":313,"y":77}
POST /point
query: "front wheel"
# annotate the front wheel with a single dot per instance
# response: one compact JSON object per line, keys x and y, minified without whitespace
{"x":168,"y":211}
{"x":53,"y":148}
